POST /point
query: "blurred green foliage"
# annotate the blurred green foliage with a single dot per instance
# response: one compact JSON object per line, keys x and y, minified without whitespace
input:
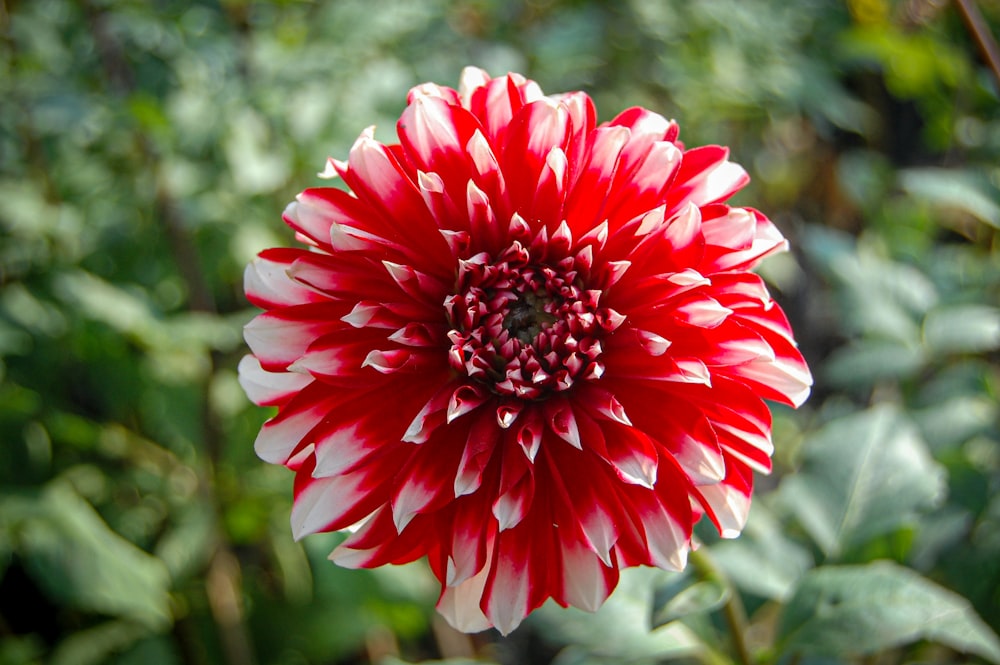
{"x":146,"y":152}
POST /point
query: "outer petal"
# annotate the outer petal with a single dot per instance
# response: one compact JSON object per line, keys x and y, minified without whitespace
{"x":269,"y":388}
{"x":519,"y":579}
{"x":706,"y":176}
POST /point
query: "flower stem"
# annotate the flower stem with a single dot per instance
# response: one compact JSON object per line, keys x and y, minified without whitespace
{"x":980,"y":32}
{"x":733,"y":611}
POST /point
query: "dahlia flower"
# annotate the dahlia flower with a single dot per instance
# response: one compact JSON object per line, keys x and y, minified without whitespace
{"x":524,"y":345}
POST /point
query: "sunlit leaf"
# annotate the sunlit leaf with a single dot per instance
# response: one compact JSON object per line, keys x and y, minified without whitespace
{"x":956,"y":419}
{"x":847,"y":611}
{"x":963,"y":329}
{"x":863,"y":475}
{"x":620,"y":630}
{"x":952,"y":190}
{"x":684,"y":596}
{"x":864,"y":363}
{"x":763,"y":560}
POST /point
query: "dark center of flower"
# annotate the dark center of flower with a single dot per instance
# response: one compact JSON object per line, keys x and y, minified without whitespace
{"x":523,"y":328}
{"x":527,"y":316}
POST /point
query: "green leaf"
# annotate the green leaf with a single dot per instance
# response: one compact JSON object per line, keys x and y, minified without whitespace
{"x":619,"y":631}
{"x":866,"y":362}
{"x":956,"y":419}
{"x":952,"y":190}
{"x":879,"y":297}
{"x":73,"y":555}
{"x":864,"y":475}
{"x":95,"y":645}
{"x":847,"y":611}
{"x":763,"y":560}
{"x":963,"y":329}
{"x":685,"y":595}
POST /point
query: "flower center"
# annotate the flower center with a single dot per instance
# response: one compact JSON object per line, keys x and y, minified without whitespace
{"x":527,"y":316}
{"x":525,"y":329}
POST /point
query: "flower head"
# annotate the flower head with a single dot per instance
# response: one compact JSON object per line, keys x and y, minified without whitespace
{"x":524,"y":345}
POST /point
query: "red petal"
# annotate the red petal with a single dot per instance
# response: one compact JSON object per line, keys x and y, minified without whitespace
{"x":706,"y":176}
{"x":377,"y":543}
{"x":517,"y":487}
{"x":337,"y":502}
{"x":728,"y":502}
{"x":425,"y":484}
{"x":586,"y":582}
{"x":484,"y":435}
{"x":523,"y":560}
{"x":283,"y":435}
{"x":269,"y":388}
{"x":664,"y":519}
{"x":533,"y":133}
{"x":267,"y":284}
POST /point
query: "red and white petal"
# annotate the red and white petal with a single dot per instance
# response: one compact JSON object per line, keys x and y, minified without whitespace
{"x":284,"y":434}
{"x":336,"y":502}
{"x":269,"y":388}
{"x":785,"y":378}
{"x":338,"y":355}
{"x":497,"y":100}
{"x":460,"y":603}
{"x":281,"y":336}
{"x":425,"y":484}
{"x":706,"y":176}
{"x":767,"y":240}
{"x":680,"y":427}
{"x":268,"y":285}
{"x":356,"y":429}
{"x":666,"y":531}
{"x":377,"y":543}
{"x":517,"y":487}
{"x":586,"y":580}
{"x":535,"y":131}
{"x":728,"y":502}
{"x":585,"y":205}
{"x":483,"y":438}
{"x":523,"y":560}
{"x":585,"y":495}
{"x":471,"y":540}
{"x":632,"y":454}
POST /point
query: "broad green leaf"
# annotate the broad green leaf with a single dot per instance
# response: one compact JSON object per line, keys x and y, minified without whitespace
{"x":763,"y":560}
{"x":848,"y":611}
{"x":620,"y":630}
{"x":685,"y":595}
{"x":947,"y":528}
{"x":73,"y":555}
{"x":94,"y":646}
{"x":879,"y":297}
{"x":863,"y":475}
{"x":956,"y":419}
{"x":866,"y":362}
{"x":962,"y":329}
{"x":952,"y":190}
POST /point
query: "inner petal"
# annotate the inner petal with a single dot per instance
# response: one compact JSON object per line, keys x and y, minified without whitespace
{"x":525,"y":328}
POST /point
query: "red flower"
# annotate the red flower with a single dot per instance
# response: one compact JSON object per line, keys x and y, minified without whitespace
{"x":524,"y":345}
